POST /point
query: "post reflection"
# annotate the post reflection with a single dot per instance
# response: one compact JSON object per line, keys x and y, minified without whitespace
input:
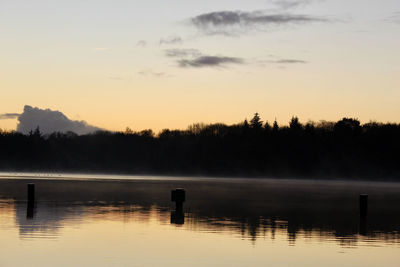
{"x":177,"y":217}
{"x":363,"y":226}
{"x":241,"y":211}
{"x":46,"y":219}
{"x":178,"y":196}
{"x":30,"y":210}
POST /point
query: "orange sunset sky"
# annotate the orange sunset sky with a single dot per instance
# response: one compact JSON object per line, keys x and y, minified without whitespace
{"x":167,"y":64}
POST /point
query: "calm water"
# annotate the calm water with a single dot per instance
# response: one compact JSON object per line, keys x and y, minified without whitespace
{"x":81,"y":220}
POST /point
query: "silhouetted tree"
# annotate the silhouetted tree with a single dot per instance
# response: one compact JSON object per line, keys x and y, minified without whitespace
{"x":245,"y":124}
{"x":128,"y":130}
{"x":347,"y":125}
{"x":344,"y":148}
{"x":275,"y":126}
{"x":294,"y":124}
{"x":147,"y":133}
{"x":36,"y":133}
{"x":196,"y":128}
{"x":267,"y":127}
{"x":256,"y":122}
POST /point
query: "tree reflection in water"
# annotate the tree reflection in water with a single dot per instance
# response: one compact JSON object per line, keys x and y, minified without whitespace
{"x":247,"y":209}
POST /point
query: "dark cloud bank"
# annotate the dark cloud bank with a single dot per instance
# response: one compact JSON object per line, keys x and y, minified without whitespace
{"x":48,"y":121}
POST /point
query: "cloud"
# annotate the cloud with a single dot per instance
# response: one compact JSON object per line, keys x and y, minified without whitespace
{"x":225,"y":33}
{"x":279,"y":61}
{"x":50,"y":121}
{"x":235,"y":21}
{"x":195,"y":59}
{"x":290,"y":4}
{"x":152,"y":73}
{"x":7,"y":116}
{"x":394,"y":18}
{"x":142,"y":43}
{"x":177,"y":52}
{"x":209,"y":61}
{"x":171,"y":40}
{"x":229,"y":18}
{"x":289,"y":61}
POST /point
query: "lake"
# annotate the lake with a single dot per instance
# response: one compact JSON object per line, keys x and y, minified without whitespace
{"x":106,"y":220}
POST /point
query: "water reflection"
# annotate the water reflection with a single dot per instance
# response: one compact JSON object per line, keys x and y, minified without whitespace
{"x":363,"y":226}
{"x":266,"y":210}
{"x":177,"y":217}
{"x":44,"y":219}
{"x":30,"y":209}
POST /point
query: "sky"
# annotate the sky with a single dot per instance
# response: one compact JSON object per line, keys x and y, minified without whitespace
{"x":167,"y":64}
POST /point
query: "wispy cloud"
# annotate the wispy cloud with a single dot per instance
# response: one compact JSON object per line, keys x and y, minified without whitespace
{"x":7,"y":116}
{"x":182,"y":53}
{"x":141,"y":43}
{"x":209,"y":61}
{"x":393,"y":18}
{"x":171,"y":40}
{"x":193,"y":58}
{"x":231,"y":22}
{"x":231,"y":18}
{"x":290,"y":4}
{"x":289,"y":61}
{"x":226,"y":33}
{"x":152,"y":73}
{"x":280,"y":61}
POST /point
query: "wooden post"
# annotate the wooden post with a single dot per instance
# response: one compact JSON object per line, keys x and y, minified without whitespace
{"x":31,"y":192}
{"x":31,"y":201}
{"x":178,"y":196}
{"x":363,"y":205}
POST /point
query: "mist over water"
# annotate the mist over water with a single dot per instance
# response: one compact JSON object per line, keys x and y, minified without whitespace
{"x":230,"y":222}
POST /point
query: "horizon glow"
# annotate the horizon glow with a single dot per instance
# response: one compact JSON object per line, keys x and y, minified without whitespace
{"x":106,"y":62}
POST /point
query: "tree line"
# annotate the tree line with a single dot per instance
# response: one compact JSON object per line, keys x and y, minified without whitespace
{"x":342,"y":149}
